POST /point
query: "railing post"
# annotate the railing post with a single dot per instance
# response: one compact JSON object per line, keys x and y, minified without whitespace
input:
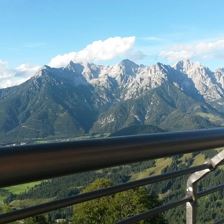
{"x":191,"y":206}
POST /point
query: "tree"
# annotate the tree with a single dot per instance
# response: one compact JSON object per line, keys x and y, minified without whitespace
{"x":40,"y":219}
{"x":95,"y":211}
{"x":110,"y":209}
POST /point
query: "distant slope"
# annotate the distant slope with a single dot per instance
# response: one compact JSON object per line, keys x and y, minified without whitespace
{"x":165,"y":107}
{"x":86,"y":99}
{"x":47,"y":105}
{"x":134,"y":130}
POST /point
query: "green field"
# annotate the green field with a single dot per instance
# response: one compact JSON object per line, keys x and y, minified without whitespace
{"x":18,"y":189}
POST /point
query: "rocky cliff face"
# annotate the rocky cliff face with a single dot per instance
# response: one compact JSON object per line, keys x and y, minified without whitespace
{"x":84,"y":98}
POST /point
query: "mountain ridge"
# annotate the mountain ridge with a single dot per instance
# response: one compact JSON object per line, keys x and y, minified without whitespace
{"x":87,"y":99}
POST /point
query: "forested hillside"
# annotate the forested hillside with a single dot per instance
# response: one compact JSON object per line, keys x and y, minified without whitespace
{"x":210,"y":207}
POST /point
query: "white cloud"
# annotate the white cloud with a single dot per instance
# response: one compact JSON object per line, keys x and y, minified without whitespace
{"x":11,"y":77}
{"x":100,"y":50}
{"x":213,"y":49}
{"x":96,"y":51}
{"x":27,"y":69}
{"x":4,"y":71}
{"x":6,"y":75}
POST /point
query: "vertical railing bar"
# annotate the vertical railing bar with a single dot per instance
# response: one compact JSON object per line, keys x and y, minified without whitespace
{"x":191,"y":206}
{"x":153,"y":212}
{"x":49,"y":206}
{"x":191,"y":191}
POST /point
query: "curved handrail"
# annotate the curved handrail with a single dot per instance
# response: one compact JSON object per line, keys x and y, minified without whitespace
{"x":27,"y":163}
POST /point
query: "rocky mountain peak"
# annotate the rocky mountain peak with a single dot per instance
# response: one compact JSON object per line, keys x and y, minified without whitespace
{"x":219,"y":75}
{"x":220,"y":70}
{"x":128,"y":63}
{"x":42,"y":71}
{"x":187,"y":65}
{"x":203,"y":78}
{"x":87,"y":98}
{"x":75,"y":67}
{"x":132,"y":80}
{"x":128,"y":67}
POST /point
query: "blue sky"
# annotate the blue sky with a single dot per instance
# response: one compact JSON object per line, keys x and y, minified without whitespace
{"x":33,"y":32}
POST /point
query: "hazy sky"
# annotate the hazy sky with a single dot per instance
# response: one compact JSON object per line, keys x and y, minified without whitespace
{"x":37,"y":32}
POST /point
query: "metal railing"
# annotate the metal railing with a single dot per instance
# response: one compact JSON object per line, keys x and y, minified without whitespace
{"x":28,"y":163}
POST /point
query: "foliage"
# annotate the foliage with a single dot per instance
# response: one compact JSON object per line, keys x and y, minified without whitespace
{"x":36,"y":220}
{"x":210,"y":207}
{"x":109,"y":210}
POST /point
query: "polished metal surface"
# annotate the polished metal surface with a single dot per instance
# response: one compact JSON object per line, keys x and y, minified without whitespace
{"x":191,"y":191}
{"x":27,"y":163}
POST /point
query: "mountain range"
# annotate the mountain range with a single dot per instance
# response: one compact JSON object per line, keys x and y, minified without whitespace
{"x":89,"y":99}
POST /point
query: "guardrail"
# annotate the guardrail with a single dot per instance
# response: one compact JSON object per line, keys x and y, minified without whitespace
{"x":27,"y":163}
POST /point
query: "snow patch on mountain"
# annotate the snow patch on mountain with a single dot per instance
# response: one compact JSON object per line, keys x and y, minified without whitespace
{"x":127,"y":80}
{"x":219,"y":75}
{"x":203,"y":78}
